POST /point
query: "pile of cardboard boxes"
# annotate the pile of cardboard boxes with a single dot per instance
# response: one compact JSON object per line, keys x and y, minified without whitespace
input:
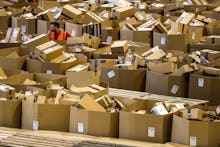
{"x":163,"y":47}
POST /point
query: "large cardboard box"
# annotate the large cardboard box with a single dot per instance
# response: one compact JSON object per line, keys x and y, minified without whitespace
{"x":124,"y":79}
{"x":10,"y":113}
{"x":41,"y":80}
{"x":93,"y":122}
{"x":45,"y":116}
{"x":55,"y":68}
{"x":144,"y":127}
{"x":204,"y":87}
{"x":164,"y":84}
{"x":195,"y":133}
{"x":5,"y":23}
{"x":137,"y":36}
{"x":110,"y":34}
{"x":171,"y":42}
{"x":7,"y":58}
{"x":42,"y":26}
{"x":28,"y":26}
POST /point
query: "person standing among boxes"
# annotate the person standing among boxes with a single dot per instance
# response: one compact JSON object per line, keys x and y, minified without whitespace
{"x":55,"y":33}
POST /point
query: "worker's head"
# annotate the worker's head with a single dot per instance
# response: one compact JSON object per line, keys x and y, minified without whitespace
{"x":54,"y":27}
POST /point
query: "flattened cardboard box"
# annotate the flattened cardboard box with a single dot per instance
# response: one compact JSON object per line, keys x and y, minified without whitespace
{"x":10,"y":113}
{"x":144,"y":127}
{"x":94,"y":123}
{"x":195,"y":133}
{"x":163,"y":84}
{"x":45,"y":116}
{"x":124,"y":79}
{"x":204,"y":87}
{"x":55,"y":68}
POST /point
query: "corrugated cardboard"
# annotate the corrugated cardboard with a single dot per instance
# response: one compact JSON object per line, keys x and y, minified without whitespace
{"x":119,"y":47}
{"x":167,"y":67}
{"x":122,"y":12}
{"x":163,"y":84}
{"x":13,"y":35}
{"x":193,"y":114}
{"x":204,"y":87}
{"x":93,"y":122}
{"x":10,"y":113}
{"x":195,"y":133}
{"x":74,"y":29}
{"x":45,"y":116}
{"x":42,"y":38}
{"x":144,"y":127}
{"x":28,"y":26}
{"x":124,"y":79}
{"x":70,"y":11}
{"x":42,"y":26}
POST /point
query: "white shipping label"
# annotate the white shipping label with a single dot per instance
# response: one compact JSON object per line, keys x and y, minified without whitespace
{"x":73,"y":33}
{"x":23,"y":28}
{"x":151,"y":132}
{"x":155,"y":49}
{"x":49,"y":72}
{"x":200,"y":82}
{"x":35,"y":125}
{"x":174,"y":89}
{"x":80,"y":128}
{"x":192,"y":141}
{"x":163,"y":40}
{"x":109,"y":39}
{"x":111,"y":74}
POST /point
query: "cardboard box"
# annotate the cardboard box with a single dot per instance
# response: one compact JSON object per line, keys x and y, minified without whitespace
{"x":163,"y":84}
{"x":154,"y":54}
{"x":5,"y":23}
{"x":171,"y":42}
{"x":13,"y":35}
{"x":45,"y":116}
{"x":10,"y":113}
{"x":110,"y":34}
{"x":157,"y":127}
{"x":124,"y":79}
{"x":28,"y":26}
{"x":70,"y":11}
{"x":74,"y":29}
{"x":187,"y":68}
{"x":82,"y":79}
{"x":122,"y":12}
{"x":93,"y":122}
{"x":7,"y":91}
{"x":137,"y":36}
{"x":167,"y":67}
{"x":185,"y":18}
{"x":42,"y":38}
{"x":41,"y":80}
{"x":213,"y":39}
{"x":49,"y":50}
{"x":204,"y":87}
{"x":55,"y":68}
{"x":42,"y":26}
{"x":193,"y":114}
{"x":119,"y":47}
{"x":211,"y":55}
{"x":195,"y":133}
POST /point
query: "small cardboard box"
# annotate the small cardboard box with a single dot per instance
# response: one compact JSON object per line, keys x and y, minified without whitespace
{"x":42,"y":38}
{"x":163,"y":84}
{"x":144,"y":127}
{"x":167,"y":67}
{"x":28,"y":26}
{"x":195,"y":133}
{"x":70,"y":11}
{"x":193,"y":114}
{"x":49,"y":50}
{"x":119,"y":47}
{"x":10,"y":113}
{"x":185,"y":18}
{"x":122,"y":12}
{"x":211,"y":55}
{"x":213,"y":39}
{"x":110,"y":34}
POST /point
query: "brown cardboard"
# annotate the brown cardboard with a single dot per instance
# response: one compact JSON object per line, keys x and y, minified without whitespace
{"x":70,"y":11}
{"x":213,"y":39}
{"x":187,"y":68}
{"x":166,"y":67}
{"x":211,"y":55}
{"x":13,"y":35}
{"x":88,"y":103}
{"x":28,"y":26}
{"x":204,"y":87}
{"x":45,"y":116}
{"x":157,"y":127}
{"x":74,"y":29}
{"x":10,"y":113}
{"x":193,"y":114}
{"x":195,"y":133}
{"x":56,"y":68}
{"x":119,"y":47}
{"x":163,"y":84}
{"x":82,"y":79}
{"x":94,"y":123}
{"x":122,"y":12}
{"x":42,"y":38}
{"x":7,"y":91}
{"x":5,"y":23}
{"x":124,"y":79}
{"x":110,"y":34}
{"x":42,"y":26}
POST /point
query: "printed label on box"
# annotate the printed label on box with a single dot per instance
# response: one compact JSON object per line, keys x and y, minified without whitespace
{"x":174,"y":89}
{"x":151,"y":132}
{"x":23,"y":28}
{"x":111,"y":74}
{"x":73,"y":33}
{"x":80,"y":128}
{"x":35,"y":125}
{"x":193,"y":141}
{"x":200,"y":82}
{"x":155,"y":49}
{"x":49,"y":72}
{"x":162,"y":40}
{"x":109,"y":39}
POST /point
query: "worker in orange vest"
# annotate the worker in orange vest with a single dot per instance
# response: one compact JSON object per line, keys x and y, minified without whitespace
{"x":55,"y":33}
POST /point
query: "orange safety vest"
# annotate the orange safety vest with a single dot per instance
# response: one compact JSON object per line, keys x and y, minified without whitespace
{"x":62,"y":36}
